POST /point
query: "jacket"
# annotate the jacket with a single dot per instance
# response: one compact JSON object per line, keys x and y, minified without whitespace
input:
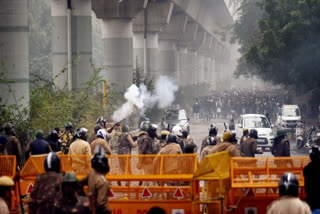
{"x":249,"y":147}
{"x":281,"y":148}
{"x":288,"y":204}
{"x":98,"y":191}
{"x":169,"y":163}
{"x":226,"y":146}
{"x":207,"y":140}
{"x":205,"y":151}
{"x":145,"y":145}
{"x":80,"y":164}
{"x":43,"y":201}
{"x":311,"y":175}
{"x":38,"y":147}
{"x":125,"y":143}
{"x":103,"y":143}
{"x":66,"y":141}
{"x":13,"y":147}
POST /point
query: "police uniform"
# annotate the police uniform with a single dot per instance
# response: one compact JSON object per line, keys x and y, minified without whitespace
{"x":66,"y":141}
{"x":46,"y":190}
{"x":98,"y":191}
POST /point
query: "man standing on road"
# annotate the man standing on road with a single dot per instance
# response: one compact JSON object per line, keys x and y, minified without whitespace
{"x":226,"y":145}
{"x":81,"y":165}
{"x":212,"y":139}
{"x":101,"y":140}
{"x":281,"y":146}
{"x":249,"y":147}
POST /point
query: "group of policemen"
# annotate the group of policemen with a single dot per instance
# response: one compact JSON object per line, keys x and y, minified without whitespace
{"x":56,"y":192}
{"x":248,"y":146}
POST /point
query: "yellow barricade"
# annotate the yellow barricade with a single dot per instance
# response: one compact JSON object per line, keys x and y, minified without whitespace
{"x":139,"y":181}
{"x":214,"y":171}
{"x":8,"y":165}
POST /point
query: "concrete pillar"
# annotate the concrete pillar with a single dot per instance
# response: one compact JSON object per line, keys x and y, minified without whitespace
{"x":191,"y":77}
{"x":81,"y":41}
{"x":201,"y":61}
{"x":168,"y":58}
{"x":14,"y":51}
{"x":151,"y":51}
{"x":183,"y":65}
{"x":117,"y":40}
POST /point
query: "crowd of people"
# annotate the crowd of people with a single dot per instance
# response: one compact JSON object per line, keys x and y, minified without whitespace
{"x":64,"y":192}
{"x":220,"y":104}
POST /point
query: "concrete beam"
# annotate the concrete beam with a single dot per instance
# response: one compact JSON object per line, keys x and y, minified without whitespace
{"x":14,"y":51}
{"x":112,"y":9}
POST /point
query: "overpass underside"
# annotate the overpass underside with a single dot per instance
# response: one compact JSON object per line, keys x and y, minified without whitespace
{"x":179,"y":38}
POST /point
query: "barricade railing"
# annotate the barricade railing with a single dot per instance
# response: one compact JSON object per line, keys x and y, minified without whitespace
{"x":135,"y":179}
{"x":8,"y":165}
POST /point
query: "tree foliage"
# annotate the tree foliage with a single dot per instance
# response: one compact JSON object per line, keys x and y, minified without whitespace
{"x":286,"y":48}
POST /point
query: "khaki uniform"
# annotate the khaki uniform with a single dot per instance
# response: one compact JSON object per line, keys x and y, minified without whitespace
{"x":103,"y":143}
{"x":125,"y":144}
{"x":13,"y":147}
{"x":145,"y":147}
{"x":66,"y":142}
{"x":249,"y":147}
{"x":80,"y":206}
{"x":46,"y":190}
{"x":4,"y":209}
{"x":98,"y":191}
{"x":190,"y":141}
{"x":288,"y":204}
{"x":81,"y":165}
{"x":206,"y":151}
{"x":226,"y":146}
{"x":170,"y":163}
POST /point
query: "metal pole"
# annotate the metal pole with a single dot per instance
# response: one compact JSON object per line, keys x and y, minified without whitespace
{"x":69,"y":47}
{"x":145,"y":10}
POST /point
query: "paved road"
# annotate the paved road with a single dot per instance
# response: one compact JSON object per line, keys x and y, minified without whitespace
{"x":201,"y":129}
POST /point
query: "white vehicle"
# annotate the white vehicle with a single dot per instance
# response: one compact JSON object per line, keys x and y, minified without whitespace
{"x":261,"y":124}
{"x":289,"y":118}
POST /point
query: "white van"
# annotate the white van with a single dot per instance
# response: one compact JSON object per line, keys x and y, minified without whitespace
{"x":289,"y":118}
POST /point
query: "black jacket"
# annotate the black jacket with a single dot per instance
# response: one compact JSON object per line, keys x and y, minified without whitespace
{"x":311,"y":175}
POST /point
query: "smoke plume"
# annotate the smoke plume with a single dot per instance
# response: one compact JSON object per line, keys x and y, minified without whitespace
{"x":140,"y":99}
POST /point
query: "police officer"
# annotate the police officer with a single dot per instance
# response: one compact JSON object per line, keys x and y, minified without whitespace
{"x":98,"y":187}
{"x":6,"y":185}
{"x":125,"y":141}
{"x":188,"y":142}
{"x":249,"y":147}
{"x":311,"y":175}
{"x":178,"y":131}
{"x":101,"y":140}
{"x":80,"y":147}
{"x":67,"y":138}
{"x":145,"y":147}
{"x":39,"y":146}
{"x":281,"y":146}
{"x":53,"y":140}
{"x":172,"y":146}
{"x":163,"y":138}
{"x":3,"y":144}
{"x":13,"y":146}
{"x":226,"y":145}
{"x":212,"y":138}
{"x":47,"y":187}
{"x":245,"y":135}
{"x":71,"y":202}
{"x":288,"y":201}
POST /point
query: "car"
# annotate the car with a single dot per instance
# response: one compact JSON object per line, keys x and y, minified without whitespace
{"x":173,"y":117}
{"x":289,"y":117}
{"x":261,"y":124}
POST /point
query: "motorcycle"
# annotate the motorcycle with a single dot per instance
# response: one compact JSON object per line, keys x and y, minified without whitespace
{"x":303,"y":138}
{"x":300,"y":135}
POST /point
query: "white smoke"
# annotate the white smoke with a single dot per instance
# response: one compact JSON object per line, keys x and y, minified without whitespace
{"x":139,"y":98}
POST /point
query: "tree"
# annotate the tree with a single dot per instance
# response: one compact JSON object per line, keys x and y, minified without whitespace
{"x":286,"y":48}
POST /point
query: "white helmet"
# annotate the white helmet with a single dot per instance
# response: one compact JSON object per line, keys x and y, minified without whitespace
{"x":102,"y":133}
{"x":177,"y":130}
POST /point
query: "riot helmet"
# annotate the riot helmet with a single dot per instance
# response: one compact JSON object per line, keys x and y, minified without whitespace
{"x":315,"y":153}
{"x":177,"y":130}
{"x":102,"y":133}
{"x":289,"y":185}
{"x":99,"y":161}
{"x":253,"y":133}
{"x":172,"y":138}
{"x":52,"y":162}
{"x":82,"y":133}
